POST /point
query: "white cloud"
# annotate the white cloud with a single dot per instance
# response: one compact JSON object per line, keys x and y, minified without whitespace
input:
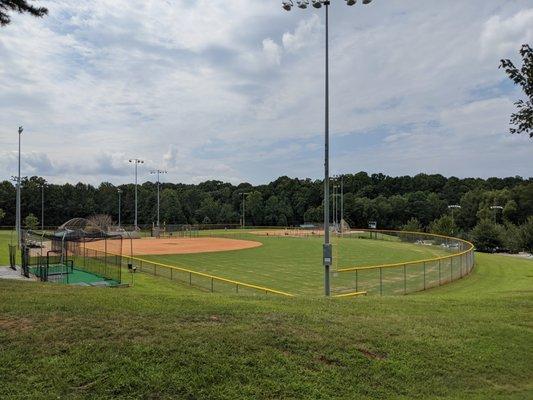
{"x":272,"y":51}
{"x":202,"y":88}
{"x":502,"y":35}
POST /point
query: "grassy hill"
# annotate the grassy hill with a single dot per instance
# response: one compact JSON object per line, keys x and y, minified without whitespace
{"x":470,"y":339}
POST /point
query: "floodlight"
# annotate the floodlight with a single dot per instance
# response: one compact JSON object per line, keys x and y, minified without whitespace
{"x":287,"y":5}
{"x":303,"y":4}
{"x":367,"y":1}
{"x":351,"y":2}
{"x":317,"y":3}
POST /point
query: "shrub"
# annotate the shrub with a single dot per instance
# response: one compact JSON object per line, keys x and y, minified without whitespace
{"x":443,"y":226}
{"x":413,"y":225}
{"x":487,"y":236}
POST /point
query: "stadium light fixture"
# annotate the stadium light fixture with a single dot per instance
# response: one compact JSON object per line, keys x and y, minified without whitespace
{"x":158,"y":172}
{"x":136,"y":162}
{"x":287,"y":5}
{"x":327,"y":250}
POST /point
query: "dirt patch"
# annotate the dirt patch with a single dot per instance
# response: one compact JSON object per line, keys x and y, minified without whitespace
{"x":151,"y":246}
{"x":372,"y":355}
{"x":15,"y":324}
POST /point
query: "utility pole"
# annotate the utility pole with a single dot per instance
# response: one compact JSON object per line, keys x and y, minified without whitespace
{"x":119,"y":191}
{"x":136,"y":161}
{"x":495,"y":208}
{"x":42,"y":206}
{"x":18,"y":212}
{"x":327,"y":251}
{"x":342,"y":203}
{"x":157,"y":172}
{"x":244,"y":209}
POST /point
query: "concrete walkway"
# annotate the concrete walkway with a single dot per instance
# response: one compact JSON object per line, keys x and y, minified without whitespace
{"x":8,"y":273}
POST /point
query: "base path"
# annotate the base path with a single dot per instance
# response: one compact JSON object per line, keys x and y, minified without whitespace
{"x":178,"y":245}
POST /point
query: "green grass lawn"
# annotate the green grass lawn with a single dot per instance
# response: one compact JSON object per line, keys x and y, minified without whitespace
{"x":6,"y":237}
{"x":160,"y":340}
{"x":294,"y":264}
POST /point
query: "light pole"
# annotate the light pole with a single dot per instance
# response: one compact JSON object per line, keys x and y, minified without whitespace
{"x":342,"y":203}
{"x":494,"y":208}
{"x":18,"y":212}
{"x":136,"y":161}
{"x":244,"y":209}
{"x":119,"y":191}
{"x":42,"y":206}
{"x":157,"y":172}
{"x":454,"y":207}
{"x":327,"y":252}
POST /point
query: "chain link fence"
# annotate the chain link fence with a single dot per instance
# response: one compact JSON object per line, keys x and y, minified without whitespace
{"x":456,"y":261}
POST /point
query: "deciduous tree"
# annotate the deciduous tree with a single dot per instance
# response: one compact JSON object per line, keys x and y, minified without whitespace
{"x":522,"y":120}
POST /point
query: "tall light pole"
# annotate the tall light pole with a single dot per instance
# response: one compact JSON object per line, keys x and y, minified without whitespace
{"x":18,"y":212}
{"x":244,"y":209}
{"x":119,"y":191}
{"x":494,"y":208}
{"x":158,"y":172}
{"x":454,"y":207}
{"x":342,"y":203}
{"x":327,"y":252}
{"x":136,"y":161}
{"x":42,"y":206}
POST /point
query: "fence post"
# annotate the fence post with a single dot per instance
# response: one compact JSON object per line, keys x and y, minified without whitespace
{"x":190,"y":278}
{"x":381,"y":281}
{"x":237,"y":288}
{"x":356,"y":281}
{"x":439,"y":272}
{"x":451,"y":269}
{"x":212,"y":285}
{"x":171,"y":273}
{"x":405,"y":279}
{"x":424,"y":275}
{"x":155,"y":269}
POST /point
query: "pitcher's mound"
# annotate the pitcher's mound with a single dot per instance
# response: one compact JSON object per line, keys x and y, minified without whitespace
{"x":179,"y":245}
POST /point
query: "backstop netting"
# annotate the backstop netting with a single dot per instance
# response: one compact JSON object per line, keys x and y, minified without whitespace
{"x":77,"y":252}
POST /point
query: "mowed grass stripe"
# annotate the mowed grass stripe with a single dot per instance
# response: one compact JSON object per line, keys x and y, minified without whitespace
{"x":294,"y":264}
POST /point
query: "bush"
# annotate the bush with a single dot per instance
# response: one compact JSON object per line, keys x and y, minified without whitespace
{"x":31,"y":222}
{"x":413,"y":225}
{"x":512,"y":238}
{"x":487,"y":236}
{"x":443,"y":226}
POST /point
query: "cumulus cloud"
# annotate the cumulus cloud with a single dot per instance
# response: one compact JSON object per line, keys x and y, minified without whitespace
{"x":234,"y":90}
{"x":501,"y":34}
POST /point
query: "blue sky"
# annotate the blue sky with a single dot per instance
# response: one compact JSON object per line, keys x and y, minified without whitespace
{"x":234,"y":90}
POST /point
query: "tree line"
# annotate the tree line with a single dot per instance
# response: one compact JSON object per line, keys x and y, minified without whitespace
{"x":419,"y":201}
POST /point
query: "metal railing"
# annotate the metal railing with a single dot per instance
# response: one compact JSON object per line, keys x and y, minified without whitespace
{"x":409,"y":276}
{"x":196,"y":279}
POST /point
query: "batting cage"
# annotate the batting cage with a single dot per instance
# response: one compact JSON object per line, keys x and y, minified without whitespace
{"x":78,"y":252}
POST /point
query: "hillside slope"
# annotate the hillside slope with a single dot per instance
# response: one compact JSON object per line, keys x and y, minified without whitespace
{"x":470,"y":339}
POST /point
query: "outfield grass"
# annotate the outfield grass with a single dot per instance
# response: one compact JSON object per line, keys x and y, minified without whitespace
{"x":294,"y":264}
{"x":467,"y":340}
